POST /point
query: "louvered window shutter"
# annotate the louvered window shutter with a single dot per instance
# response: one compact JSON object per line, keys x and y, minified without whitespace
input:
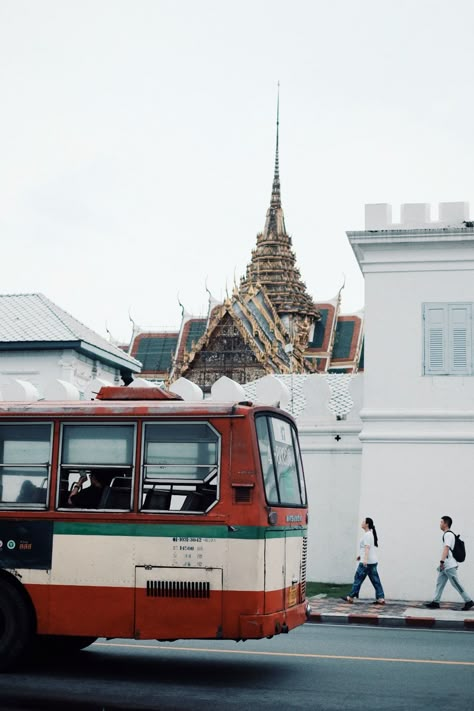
{"x":459,"y":338}
{"x":436,"y":339}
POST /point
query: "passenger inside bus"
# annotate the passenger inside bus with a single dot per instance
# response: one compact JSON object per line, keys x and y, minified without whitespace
{"x":90,"y":496}
{"x":27,"y":492}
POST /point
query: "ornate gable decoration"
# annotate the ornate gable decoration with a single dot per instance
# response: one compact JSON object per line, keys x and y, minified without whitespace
{"x":245,"y":339}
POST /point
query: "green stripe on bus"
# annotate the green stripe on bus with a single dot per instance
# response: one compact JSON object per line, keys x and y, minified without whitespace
{"x":279,"y":533}
{"x":166,"y":530}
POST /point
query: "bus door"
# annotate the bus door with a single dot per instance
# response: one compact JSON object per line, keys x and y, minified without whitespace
{"x":282,"y":569}
{"x":284,"y":489}
{"x":275,"y":570}
{"x":172,"y":603}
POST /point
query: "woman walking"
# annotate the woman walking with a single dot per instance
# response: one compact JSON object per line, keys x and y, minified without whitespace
{"x":367,"y":564}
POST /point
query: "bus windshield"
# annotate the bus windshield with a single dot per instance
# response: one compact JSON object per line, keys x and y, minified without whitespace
{"x":281,"y":462}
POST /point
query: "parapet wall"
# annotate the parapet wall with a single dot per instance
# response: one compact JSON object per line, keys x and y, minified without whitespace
{"x":416,"y":215}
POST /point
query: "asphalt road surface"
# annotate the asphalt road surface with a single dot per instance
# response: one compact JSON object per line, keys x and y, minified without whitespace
{"x":317,"y":667}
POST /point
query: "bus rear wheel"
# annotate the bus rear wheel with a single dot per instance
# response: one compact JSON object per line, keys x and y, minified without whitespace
{"x":16,"y":625}
{"x":61,"y":644}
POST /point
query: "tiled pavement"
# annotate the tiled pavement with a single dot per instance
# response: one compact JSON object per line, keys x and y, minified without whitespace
{"x":395,"y":613}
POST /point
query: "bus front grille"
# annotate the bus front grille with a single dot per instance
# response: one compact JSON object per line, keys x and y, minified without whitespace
{"x":304,"y":557}
{"x":177,"y":588}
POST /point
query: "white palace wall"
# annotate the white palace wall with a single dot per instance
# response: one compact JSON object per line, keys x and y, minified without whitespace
{"x":332,"y":460}
{"x":417,"y":428}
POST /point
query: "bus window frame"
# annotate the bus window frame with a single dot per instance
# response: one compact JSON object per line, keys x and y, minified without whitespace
{"x":264,"y":417}
{"x":299,"y":466}
{"x":297,"y":458}
{"x":214,"y":469}
{"x":87,"y":467}
{"x":20,"y":506}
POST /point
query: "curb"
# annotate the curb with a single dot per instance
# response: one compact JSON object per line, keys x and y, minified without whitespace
{"x":466,"y":624}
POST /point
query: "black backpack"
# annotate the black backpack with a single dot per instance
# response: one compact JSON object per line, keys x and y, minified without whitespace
{"x":459,"y":548}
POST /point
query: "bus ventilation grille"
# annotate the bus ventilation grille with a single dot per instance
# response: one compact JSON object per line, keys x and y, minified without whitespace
{"x":242,"y":494}
{"x":303,"y":567}
{"x":177,"y":588}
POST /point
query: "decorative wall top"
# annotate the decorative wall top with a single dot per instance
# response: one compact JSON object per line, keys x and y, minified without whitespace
{"x":319,"y":398}
{"x":416,"y":215}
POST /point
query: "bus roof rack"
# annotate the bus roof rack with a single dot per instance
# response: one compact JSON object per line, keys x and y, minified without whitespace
{"x":121,"y":392}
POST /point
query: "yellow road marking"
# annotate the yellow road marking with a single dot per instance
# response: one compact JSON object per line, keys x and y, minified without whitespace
{"x":287,"y":654}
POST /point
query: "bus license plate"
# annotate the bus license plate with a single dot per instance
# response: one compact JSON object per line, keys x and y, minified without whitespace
{"x":292,"y":595}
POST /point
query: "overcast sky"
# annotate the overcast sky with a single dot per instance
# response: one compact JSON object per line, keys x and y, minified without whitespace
{"x":137,"y":141}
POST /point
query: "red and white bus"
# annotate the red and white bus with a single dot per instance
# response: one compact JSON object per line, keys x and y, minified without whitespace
{"x":139,"y":515}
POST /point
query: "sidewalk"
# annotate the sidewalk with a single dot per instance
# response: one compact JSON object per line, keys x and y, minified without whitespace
{"x":395,"y":613}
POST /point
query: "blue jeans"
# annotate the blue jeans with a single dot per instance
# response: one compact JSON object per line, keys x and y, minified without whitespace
{"x":360,"y":575}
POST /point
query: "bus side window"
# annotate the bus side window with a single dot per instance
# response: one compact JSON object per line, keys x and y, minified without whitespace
{"x":180,"y":467}
{"x":96,"y":466}
{"x":280,"y":460}
{"x":25,"y":456}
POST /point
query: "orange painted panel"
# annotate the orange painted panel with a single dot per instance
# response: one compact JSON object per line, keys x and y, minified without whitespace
{"x":109,"y":612}
{"x":174,"y":618}
{"x":83,"y":610}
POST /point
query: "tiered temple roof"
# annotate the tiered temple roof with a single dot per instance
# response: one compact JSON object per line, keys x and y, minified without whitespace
{"x":273,"y":262}
{"x":270,"y":324}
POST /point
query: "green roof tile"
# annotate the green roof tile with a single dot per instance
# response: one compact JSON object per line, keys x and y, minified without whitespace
{"x":343,"y":339}
{"x":156,"y":352}
{"x":319,"y":330}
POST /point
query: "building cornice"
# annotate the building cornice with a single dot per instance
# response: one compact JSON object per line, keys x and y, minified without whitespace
{"x":414,"y":250}
{"x":127,"y":362}
{"x":403,"y":234}
{"x":402,"y":415}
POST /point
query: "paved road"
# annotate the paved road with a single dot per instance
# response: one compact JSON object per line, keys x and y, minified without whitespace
{"x":317,"y":667}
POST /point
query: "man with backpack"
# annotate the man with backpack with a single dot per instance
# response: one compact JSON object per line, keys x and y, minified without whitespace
{"x":453,"y":553}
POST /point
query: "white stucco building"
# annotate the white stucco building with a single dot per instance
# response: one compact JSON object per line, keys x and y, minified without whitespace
{"x":418,"y":414}
{"x":46,"y":352}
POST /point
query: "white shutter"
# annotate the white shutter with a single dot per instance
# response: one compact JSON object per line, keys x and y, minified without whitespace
{"x":460,"y":339}
{"x":435,"y":339}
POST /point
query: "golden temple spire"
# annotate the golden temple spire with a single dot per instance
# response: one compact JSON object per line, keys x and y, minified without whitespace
{"x":275,"y":221}
{"x":273,"y":262}
{"x":276,"y":197}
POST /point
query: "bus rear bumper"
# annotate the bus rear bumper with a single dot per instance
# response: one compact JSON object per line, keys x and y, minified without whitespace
{"x":258,"y":626}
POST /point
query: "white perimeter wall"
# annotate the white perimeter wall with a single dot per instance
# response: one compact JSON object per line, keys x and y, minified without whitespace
{"x":407,"y":493}
{"x":417,"y":431}
{"x":332,"y":462}
{"x":333,"y":484}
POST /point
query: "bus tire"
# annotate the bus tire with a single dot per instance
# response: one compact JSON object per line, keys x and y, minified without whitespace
{"x":16,"y":625}
{"x":55,"y":644}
